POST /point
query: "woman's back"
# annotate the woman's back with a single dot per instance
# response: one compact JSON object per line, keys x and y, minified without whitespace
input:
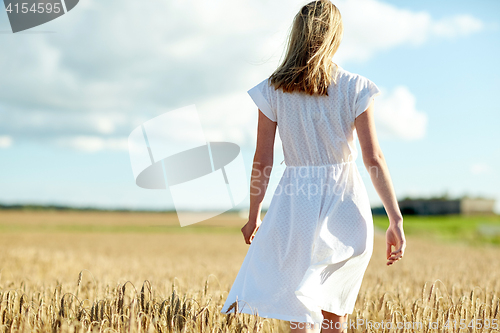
{"x":314,"y":129}
{"x":307,"y":257}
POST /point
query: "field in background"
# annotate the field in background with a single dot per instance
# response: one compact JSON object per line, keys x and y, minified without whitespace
{"x":472,"y":230}
{"x":73,"y":271}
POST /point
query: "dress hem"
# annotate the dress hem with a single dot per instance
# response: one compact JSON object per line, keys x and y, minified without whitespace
{"x":278,"y":316}
{"x":310,"y":303}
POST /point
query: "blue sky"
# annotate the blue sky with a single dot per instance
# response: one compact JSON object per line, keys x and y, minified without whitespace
{"x":71,"y":92}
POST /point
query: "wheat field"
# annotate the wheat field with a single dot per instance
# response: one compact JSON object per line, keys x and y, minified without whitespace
{"x":141,"y":272}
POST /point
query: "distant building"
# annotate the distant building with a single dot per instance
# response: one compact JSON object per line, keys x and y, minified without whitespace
{"x":477,"y":206}
{"x":442,"y":206}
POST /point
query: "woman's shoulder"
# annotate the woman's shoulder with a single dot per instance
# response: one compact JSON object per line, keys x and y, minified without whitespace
{"x":354,"y":82}
{"x":349,"y":76}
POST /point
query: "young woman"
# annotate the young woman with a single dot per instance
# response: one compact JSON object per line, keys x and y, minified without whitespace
{"x":308,"y":256}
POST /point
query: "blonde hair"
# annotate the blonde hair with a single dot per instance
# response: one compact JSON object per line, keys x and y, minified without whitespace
{"x":315,"y":37}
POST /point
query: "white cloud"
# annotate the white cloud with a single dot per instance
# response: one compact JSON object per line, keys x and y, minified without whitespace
{"x":456,"y":26}
{"x":36,"y":124}
{"x":372,"y":26}
{"x":480,"y":168}
{"x":135,"y":61}
{"x":396,"y":115}
{"x":229,"y":118}
{"x":93,"y":143}
{"x":5,"y":141}
{"x":232,"y":118}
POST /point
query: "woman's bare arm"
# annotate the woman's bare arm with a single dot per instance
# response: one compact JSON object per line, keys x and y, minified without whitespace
{"x":375,"y":163}
{"x":261,"y":171}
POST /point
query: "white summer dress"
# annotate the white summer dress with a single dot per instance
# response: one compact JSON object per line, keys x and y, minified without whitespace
{"x":316,"y":239}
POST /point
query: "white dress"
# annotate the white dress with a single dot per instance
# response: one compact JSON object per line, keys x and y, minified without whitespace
{"x":316,"y":239}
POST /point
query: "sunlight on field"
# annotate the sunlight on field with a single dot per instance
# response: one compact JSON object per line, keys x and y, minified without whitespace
{"x":117,"y":272}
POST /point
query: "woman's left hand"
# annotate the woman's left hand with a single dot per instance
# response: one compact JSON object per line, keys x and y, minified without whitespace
{"x":249,"y":230}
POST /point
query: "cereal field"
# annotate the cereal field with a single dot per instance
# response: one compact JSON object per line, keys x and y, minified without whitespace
{"x":141,"y":272}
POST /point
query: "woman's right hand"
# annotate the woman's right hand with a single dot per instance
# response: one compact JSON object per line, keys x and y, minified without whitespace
{"x":395,"y":236}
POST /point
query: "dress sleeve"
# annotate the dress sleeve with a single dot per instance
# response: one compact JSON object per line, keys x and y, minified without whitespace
{"x":366,"y":90}
{"x":261,"y":95}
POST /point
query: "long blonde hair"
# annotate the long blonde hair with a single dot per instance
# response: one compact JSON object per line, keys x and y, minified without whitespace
{"x":316,"y":34}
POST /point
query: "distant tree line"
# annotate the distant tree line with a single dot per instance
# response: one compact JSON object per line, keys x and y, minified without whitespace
{"x":30,"y":207}
{"x":38,"y":207}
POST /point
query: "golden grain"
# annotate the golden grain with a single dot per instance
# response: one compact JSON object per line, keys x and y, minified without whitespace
{"x":172,"y":271}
